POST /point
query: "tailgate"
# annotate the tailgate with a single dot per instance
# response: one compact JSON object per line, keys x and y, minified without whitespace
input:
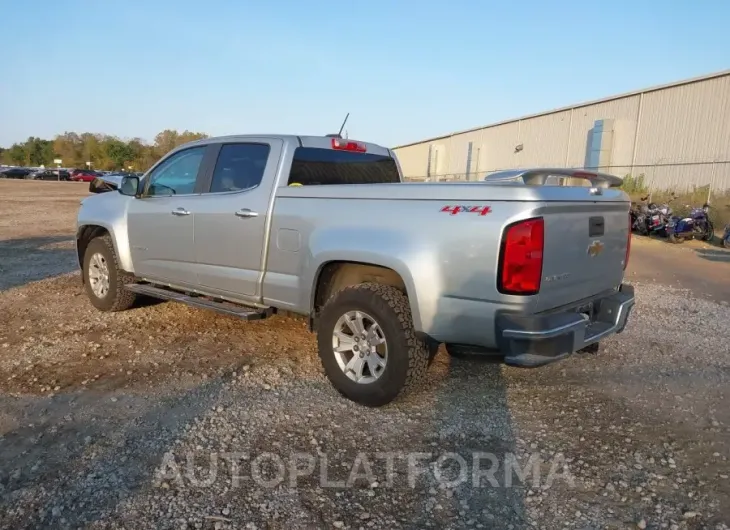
{"x":584,"y":250}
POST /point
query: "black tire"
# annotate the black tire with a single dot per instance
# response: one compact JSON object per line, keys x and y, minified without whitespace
{"x":709,"y":233}
{"x":117,"y":298}
{"x":408,"y":356}
{"x":433,"y":350}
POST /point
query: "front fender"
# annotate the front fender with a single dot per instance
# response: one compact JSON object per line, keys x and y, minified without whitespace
{"x":384,"y":248}
{"x":109,"y":212}
{"x":684,"y":225}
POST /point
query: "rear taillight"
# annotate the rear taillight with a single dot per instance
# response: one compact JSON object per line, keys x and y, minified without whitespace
{"x":347,"y":145}
{"x":520,"y":262}
{"x":628,"y":245}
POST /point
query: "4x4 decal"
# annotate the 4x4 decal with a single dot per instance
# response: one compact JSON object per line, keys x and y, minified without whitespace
{"x":453,"y":210}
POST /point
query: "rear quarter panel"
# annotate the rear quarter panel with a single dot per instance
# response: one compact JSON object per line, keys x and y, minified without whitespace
{"x":448,"y":262}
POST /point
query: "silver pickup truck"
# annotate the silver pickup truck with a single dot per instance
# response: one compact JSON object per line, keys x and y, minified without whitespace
{"x":527,"y":265}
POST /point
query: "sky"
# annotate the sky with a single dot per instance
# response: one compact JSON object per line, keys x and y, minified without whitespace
{"x":405,"y":70}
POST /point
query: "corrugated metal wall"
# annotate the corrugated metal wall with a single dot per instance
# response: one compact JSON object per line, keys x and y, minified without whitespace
{"x":683,"y":130}
{"x":677,"y":137}
{"x":623,"y":112}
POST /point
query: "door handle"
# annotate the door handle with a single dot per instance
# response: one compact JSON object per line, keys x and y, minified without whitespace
{"x":246,"y":213}
{"x":180,"y":211}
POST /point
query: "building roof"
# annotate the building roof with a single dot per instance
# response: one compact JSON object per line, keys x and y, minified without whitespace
{"x":577,"y":106}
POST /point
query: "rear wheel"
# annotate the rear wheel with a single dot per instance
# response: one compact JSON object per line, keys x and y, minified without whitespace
{"x":673,"y":238}
{"x":709,"y":232}
{"x":104,"y":281}
{"x":433,"y":350}
{"x":368,"y":345}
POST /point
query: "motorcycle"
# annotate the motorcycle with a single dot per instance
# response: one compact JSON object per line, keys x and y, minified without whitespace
{"x":638,"y":219}
{"x":657,"y":217}
{"x":726,"y":237}
{"x":696,"y":226}
{"x":647,"y":219}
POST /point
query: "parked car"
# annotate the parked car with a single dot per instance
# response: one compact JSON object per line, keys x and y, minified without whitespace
{"x":83,"y":175}
{"x":15,"y":172}
{"x":49,"y":174}
{"x":385,"y":271}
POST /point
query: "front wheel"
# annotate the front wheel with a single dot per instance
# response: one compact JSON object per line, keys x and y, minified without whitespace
{"x":368,"y":345}
{"x":103,"y":279}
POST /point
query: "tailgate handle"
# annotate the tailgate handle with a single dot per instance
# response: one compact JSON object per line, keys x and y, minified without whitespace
{"x":596,"y":226}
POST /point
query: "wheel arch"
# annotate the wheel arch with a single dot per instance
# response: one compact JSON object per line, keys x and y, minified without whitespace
{"x":86,"y":233}
{"x":334,"y":275}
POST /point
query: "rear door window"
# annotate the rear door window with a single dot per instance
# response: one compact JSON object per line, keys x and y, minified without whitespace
{"x":239,"y":167}
{"x":314,"y":166}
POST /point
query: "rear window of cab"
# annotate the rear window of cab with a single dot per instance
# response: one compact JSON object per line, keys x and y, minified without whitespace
{"x":316,"y":167}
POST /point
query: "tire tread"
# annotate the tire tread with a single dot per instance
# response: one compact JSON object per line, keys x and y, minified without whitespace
{"x":392,"y":299}
{"x":123,"y":298}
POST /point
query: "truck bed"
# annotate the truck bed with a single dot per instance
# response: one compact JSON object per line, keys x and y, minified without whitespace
{"x":450,"y":261}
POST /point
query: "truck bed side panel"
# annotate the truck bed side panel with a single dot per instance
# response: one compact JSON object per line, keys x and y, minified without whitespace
{"x":448,"y":261}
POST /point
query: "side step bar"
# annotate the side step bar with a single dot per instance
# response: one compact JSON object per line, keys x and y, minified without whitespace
{"x":219,"y":306}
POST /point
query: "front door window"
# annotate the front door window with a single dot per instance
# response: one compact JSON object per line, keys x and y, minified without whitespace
{"x":176,"y":175}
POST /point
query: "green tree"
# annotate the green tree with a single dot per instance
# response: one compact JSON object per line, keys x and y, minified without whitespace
{"x":188,"y":136}
{"x":166,"y":141}
{"x":118,"y":152}
{"x":93,"y":151}
{"x":69,"y":148}
{"x":17,"y":155}
{"x":103,"y":151}
{"x":137,"y":150}
{"x":40,"y":152}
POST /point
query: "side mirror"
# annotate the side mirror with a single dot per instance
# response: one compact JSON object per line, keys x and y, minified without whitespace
{"x":129,"y":186}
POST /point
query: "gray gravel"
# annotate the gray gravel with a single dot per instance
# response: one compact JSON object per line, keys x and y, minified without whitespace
{"x":637,"y":437}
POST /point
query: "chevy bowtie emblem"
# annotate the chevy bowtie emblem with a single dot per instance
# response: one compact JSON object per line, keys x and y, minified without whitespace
{"x":595,"y":248}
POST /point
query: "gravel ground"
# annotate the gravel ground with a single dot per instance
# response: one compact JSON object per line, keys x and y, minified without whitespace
{"x":166,"y":416}
{"x":37,"y":222}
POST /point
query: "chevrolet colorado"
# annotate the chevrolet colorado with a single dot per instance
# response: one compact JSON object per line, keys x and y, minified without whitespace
{"x":527,"y":265}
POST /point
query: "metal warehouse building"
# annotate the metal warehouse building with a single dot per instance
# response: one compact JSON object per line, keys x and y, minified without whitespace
{"x":675,"y":136}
